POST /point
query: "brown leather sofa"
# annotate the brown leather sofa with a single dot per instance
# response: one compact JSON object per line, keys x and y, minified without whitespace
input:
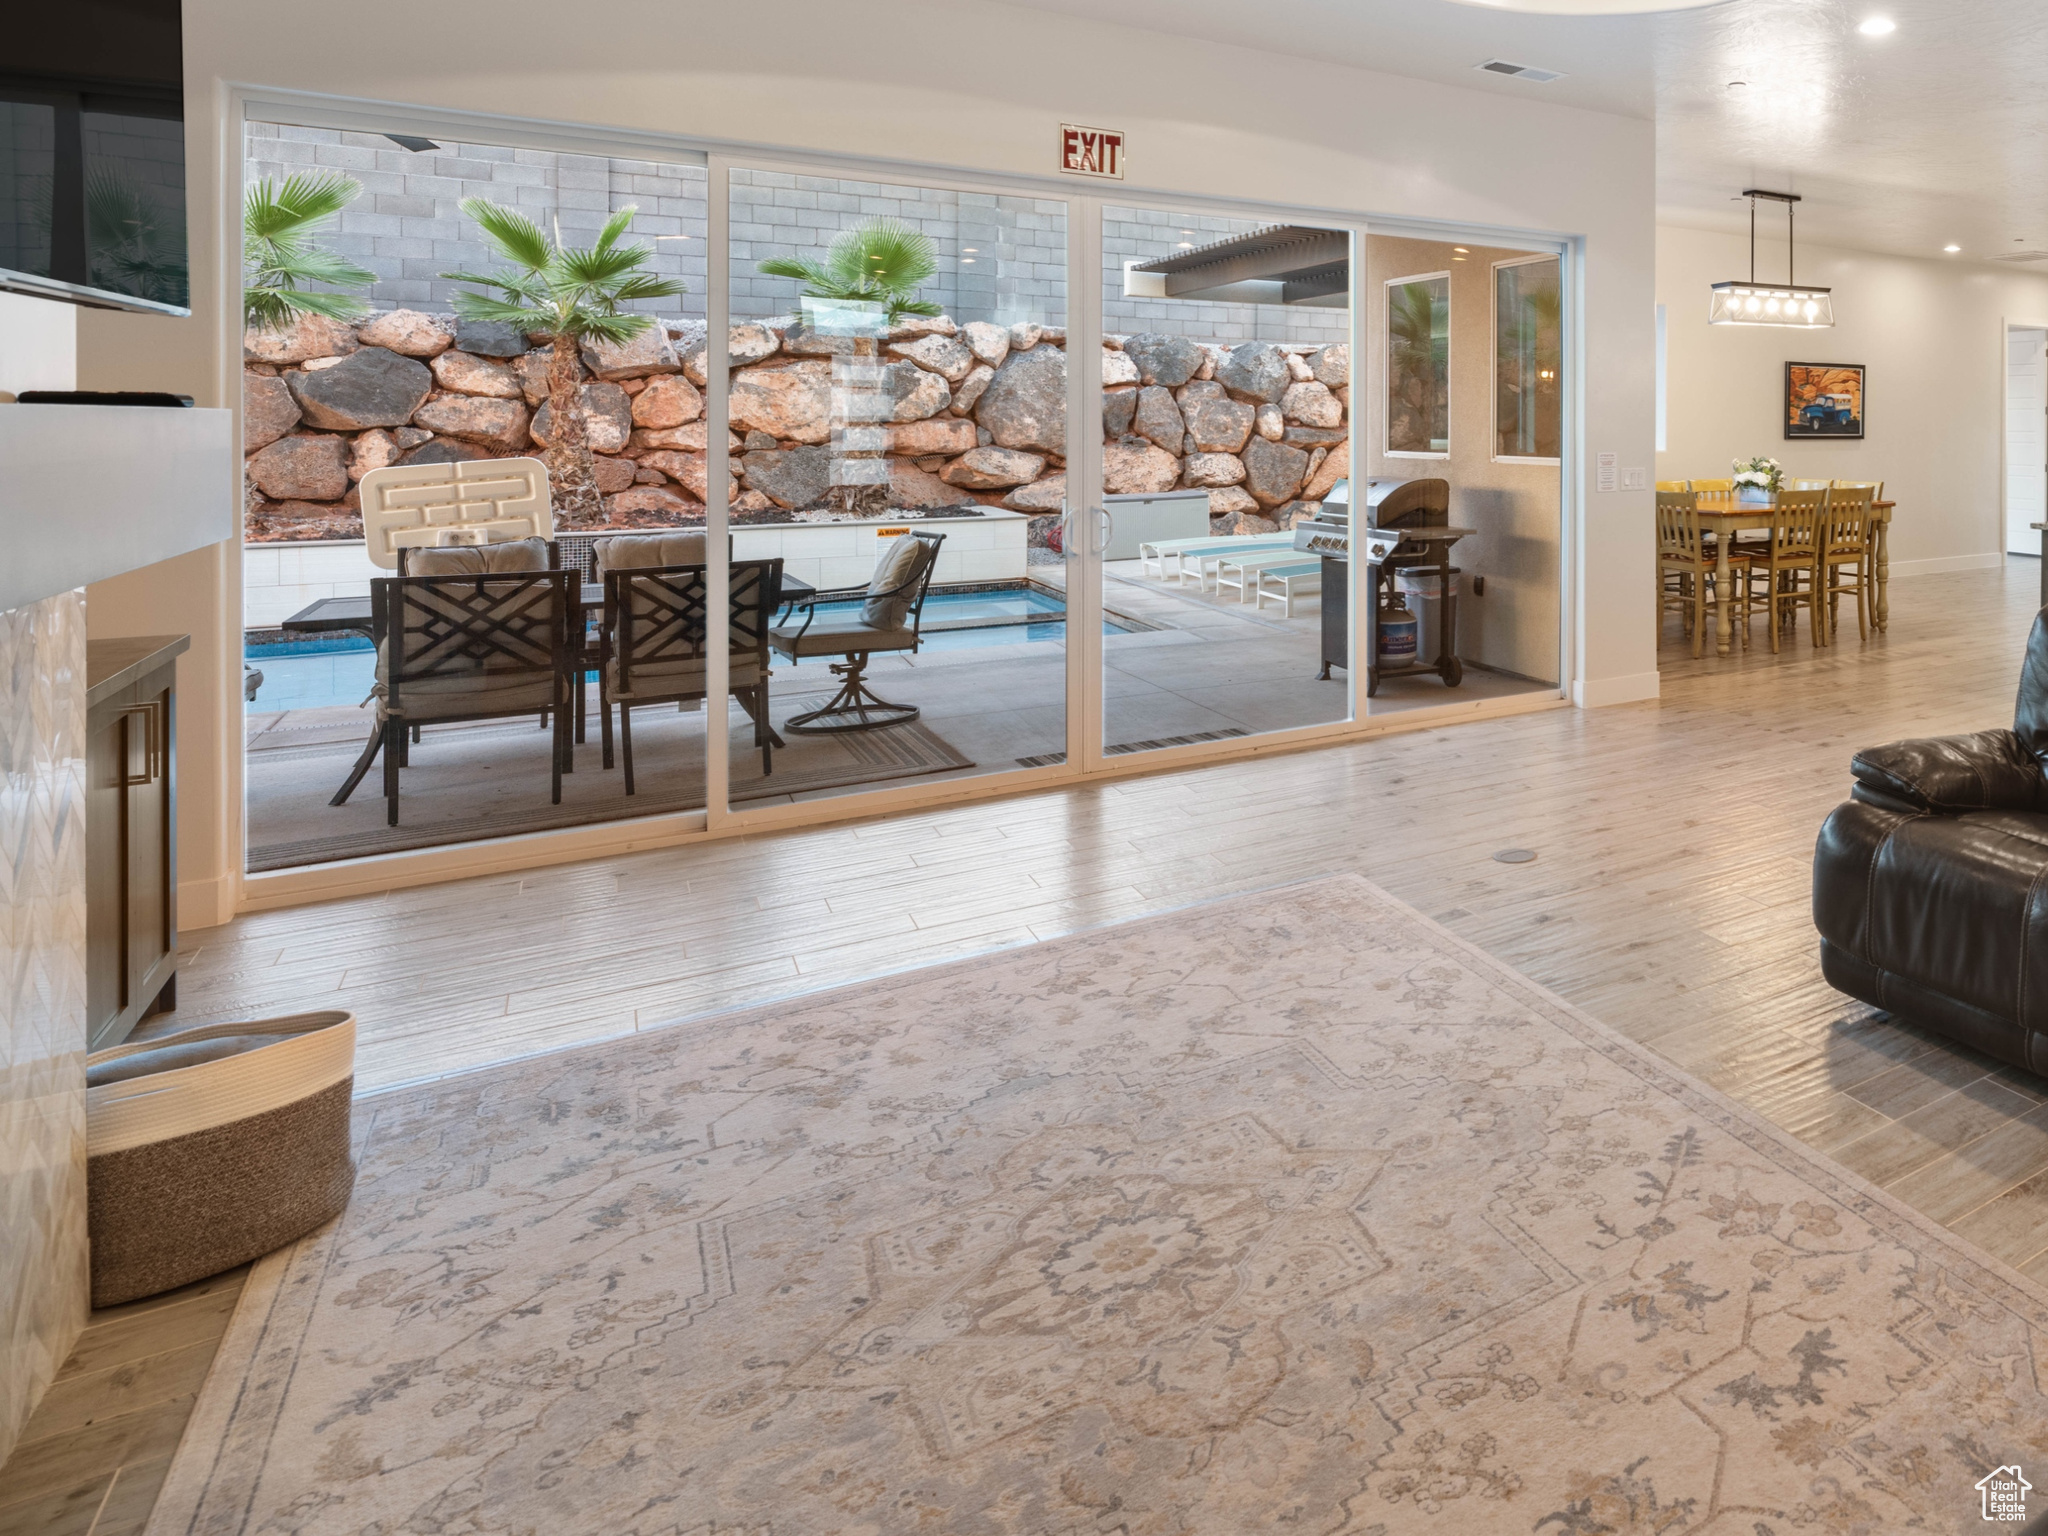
{"x":1930,"y":886}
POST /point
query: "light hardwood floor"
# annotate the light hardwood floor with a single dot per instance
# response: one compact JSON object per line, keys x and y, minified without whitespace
{"x":1669,"y":897}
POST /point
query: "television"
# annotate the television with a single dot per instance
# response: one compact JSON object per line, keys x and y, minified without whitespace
{"x":92,"y":155}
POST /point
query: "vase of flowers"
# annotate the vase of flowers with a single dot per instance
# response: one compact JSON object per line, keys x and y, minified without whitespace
{"x":1757,"y":481}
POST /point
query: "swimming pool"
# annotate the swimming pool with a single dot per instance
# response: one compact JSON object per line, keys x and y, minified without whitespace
{"x":325,"y":670}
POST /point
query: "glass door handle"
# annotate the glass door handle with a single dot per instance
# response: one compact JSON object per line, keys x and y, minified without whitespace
{"x":1108,"y":529}
{"x":1066,"y":531}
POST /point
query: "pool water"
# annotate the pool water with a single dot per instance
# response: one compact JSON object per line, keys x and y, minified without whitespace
{"x":326,"y":670}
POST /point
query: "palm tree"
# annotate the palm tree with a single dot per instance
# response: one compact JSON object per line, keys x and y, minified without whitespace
{"x":570,"y":296}
{"x":279,"y":255}
{"x":884,"y":262}
{"x":136,"y":243}
{"x":1419,"y":319}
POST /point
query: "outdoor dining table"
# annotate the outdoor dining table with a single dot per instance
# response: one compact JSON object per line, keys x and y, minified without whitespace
{"x":1722,"y":515}
{"x":340,"y":615}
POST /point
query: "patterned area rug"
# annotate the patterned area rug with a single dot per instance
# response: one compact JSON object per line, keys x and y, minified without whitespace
{"x":1288,"y":1212}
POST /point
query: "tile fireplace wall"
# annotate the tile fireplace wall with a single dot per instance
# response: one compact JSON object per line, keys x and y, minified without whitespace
{"x":42,"y":998}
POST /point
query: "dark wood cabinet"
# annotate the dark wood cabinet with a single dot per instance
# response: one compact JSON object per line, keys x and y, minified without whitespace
{"x":131,"y":833}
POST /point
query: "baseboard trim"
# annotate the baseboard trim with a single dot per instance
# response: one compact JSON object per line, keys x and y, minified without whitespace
{"x":1942,"y":563}
{"x":205,"y":903}
{"x":1599,"y":692}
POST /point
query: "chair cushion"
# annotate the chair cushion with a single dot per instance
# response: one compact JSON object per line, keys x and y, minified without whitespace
{"x":637,"y":551}
{"x":670,"y":679}
{"x":893,"y":565}
{"x":838,"y":637}
{"x":505,"y":559}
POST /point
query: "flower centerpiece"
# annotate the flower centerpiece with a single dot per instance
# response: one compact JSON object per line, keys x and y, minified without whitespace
{"x":1757,"y":480}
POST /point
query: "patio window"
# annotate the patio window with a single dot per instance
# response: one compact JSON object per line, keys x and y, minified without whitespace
{"x":1528,"y":360}
{"x":1419,"y":364}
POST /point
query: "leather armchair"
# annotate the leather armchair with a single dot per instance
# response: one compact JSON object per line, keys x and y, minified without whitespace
{"x":1930,"y":886}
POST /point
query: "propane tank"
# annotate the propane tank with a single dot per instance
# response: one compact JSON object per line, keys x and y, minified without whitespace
{"x":1397,"y":636}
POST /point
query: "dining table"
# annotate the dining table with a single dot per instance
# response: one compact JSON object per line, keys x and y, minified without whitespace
{"x":345,"y":615}
{"x":1724,"y":516}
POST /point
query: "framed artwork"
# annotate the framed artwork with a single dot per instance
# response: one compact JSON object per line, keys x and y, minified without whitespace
{"x":1823,"y":400}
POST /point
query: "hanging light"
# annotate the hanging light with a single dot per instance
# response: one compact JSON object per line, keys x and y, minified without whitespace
{"x":1782,"y":304}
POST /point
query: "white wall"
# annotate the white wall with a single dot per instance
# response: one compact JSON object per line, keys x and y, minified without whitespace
{"x":1931,"y":334}
{"x":38,"y":344}
{"x":950,"y":82}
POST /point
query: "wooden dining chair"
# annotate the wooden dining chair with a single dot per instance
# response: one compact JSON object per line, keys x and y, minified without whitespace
{"x":1674,"y":486}
{"x":1845,"y":555}
{"x":1784,"y":571}
{"x":1808,"y":485}
{"x":1722,"y":487}
{"x":1685,"y":564}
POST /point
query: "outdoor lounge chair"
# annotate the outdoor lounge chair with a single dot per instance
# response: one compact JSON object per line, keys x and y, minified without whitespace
{"x":1180,"y":551}
{"x":653,"y":646}
{"x":477,"y":632}
{"x":891,"y":612}
{"x":1239,"y":571}
{"x":1284,"y":582}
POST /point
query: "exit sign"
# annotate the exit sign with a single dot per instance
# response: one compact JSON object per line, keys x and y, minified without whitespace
{"x":1091,"y":151}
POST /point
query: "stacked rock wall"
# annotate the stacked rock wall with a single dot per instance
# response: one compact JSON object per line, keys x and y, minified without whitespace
{"x":978,"y":417}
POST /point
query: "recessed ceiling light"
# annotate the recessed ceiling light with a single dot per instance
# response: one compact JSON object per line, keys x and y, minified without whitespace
{"x":1461,"y":250}
{"x":1951,"y":249}
{"x":1878,"y":26}
{"x":1185,"y":245}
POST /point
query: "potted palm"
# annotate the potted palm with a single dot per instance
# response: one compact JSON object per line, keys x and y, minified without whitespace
{"x":866,"y":284}
{"x":567,"y":295}
{"x":280,"y":255}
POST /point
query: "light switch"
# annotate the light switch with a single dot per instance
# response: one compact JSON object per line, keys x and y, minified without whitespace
{"x":1635,"y":479}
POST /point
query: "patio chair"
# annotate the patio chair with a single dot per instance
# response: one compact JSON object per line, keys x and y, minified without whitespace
{"x":477,"y":632}
{"x":889,"y":619}
{"x":653,"y":644}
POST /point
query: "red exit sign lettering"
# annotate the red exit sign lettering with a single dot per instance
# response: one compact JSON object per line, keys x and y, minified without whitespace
{"x":1091,"y":151}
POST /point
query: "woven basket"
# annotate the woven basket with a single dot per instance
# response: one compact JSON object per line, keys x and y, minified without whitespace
{"x":212,"y":1146}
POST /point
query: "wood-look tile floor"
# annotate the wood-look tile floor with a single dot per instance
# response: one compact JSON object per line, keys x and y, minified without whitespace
{"x":1669,"y":897}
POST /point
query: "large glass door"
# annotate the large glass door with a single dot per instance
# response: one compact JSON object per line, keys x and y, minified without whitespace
{"x":896,"y":402}
{"x":1219,"y":545}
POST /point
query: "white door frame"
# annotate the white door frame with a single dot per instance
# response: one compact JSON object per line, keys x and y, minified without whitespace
{"x":2005,"y":530}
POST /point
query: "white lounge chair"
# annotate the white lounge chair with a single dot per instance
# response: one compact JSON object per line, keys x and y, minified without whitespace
{"x":1282,"y":582}
{"x":1180,"y":550}
{"x":1240,"y":572}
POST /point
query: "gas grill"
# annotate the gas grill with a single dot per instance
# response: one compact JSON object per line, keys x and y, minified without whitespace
{"x":1407,"y":528}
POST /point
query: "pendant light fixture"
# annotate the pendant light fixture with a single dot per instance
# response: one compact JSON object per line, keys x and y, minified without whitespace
{"x":1754,"y":303}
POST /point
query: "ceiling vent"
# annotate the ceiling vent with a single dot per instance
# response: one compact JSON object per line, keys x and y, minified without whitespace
{"x":1520,"y":71}
{"x":2023,"y":256}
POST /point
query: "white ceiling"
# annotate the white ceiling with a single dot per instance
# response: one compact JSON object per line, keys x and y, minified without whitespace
{"x":1932,"y":135}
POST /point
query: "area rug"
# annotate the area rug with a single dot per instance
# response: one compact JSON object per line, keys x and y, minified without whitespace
{"x":1289,"y":1212}
{"x":492,"y":781}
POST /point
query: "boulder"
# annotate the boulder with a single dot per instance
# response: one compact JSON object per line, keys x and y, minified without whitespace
{"x":1024,"y":336}
{"x":642,"y":475}
{"x":992,"y":469}
{"x":1117,"y":368}
{"x":1219,"y":425}
{"x":1135,"y":468}
{"x":1025,"y":405}
{"x":295,"y":521}
{"x":378,"y":449}
{"x":793,"y":403}
{"x":691,"y":437}
{"x":614,"y":475}
{"x":501,"y":423}
{"x":990,"y":344}
{"x":473,"y":375}
{"x":1312,"y":405}
{"x":922,"y":325}
{"x":689,"y":470}
{"x":407,"y":332}
{"x":949,"y":359}
{"x":1039,"y":496}
{"x":1297,"y":368}
{"x":803,"y":341}
{"x":940,"y":434}
{"x":1205,"y":469}
{"x":745,"y":344}
{"x":753,"y":501}
{"x":1252,"y":524}
{"x":916,"y":394}
{"x":1231,"y":501}
{"x":490,"y":338}
{"x":667,"y":402}
{"x":1272,"y":471}
{"x":1211,"y":357}
{"x":637,"y":357}
{"x":306,"y":337}
{"x":1158,"y":418}
{"x":373,"y":387}
{"x":449,"y":450}
{"x":1335,"y":467}
{"x":607,"y":418}
{"x":758,"y":441}
{"x":1271,"y":425}
{"x":532,"y":369}
{"x":268,"y":411}
{"x":303,"y":468}
{"x":970,"y":389}
{"x":1167,"y":360}
{"x":1331,"y":366}
{"x":652,"y":501}
{"x":910,"y":486}
{"x":1254,"y":373}
{"x":790,"y":477}
{"x":1316,"y":437}
{"x":1118,"y":407}
{"x":1198,"y":389}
